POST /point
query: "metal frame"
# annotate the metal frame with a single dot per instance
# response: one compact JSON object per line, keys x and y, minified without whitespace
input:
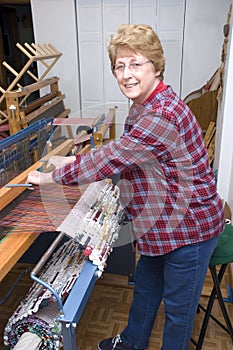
{"x":216,"y":292}
{"x":71,"y":311}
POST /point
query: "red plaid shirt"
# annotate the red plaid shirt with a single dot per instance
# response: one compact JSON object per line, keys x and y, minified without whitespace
{"x":167,"y":186}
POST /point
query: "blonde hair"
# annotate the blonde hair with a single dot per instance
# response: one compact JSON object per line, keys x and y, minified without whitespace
{"x":141,"y":39}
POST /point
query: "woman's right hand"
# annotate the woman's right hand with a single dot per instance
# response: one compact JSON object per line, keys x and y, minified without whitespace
{"x":36,"y":177}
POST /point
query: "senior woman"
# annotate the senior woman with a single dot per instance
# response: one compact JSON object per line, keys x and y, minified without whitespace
{"x":167,"y":189}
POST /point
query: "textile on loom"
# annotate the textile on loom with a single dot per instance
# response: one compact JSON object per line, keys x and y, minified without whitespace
{"x":19,"y":151}
{"x":93,"y":226}
{"x":40,"y":210}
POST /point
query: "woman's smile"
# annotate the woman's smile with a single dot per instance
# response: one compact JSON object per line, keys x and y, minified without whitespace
{"x":135,"y":75}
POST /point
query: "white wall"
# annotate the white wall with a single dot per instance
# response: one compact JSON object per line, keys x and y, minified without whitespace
{"x":203,"y":39}
{"x":225,"y":139}
{"x":54,"y":22}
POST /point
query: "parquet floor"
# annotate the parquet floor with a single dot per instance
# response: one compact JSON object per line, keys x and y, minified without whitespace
{"x":107,"y":310}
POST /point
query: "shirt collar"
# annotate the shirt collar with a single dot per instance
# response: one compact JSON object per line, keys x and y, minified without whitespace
{"x":160,"y":87}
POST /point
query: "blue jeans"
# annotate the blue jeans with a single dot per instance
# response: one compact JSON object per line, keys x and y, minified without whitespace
{"x":177,"y":278}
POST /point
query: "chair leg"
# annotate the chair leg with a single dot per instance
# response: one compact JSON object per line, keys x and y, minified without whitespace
{"x":206,"y":320}
{"x":216,"y":291}
{"x":215,"y":277}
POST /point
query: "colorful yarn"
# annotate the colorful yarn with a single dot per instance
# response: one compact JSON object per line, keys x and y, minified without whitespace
{"x":49,"y":334}
{"x":53,"y":205}
{"x":38,"y":312}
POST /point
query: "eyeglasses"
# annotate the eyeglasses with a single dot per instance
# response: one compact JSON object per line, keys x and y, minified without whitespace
{"x":134,"y":67}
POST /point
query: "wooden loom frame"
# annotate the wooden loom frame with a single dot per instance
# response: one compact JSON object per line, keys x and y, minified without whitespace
{"x":19,"y":243}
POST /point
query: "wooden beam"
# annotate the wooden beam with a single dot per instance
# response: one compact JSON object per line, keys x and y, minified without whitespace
{"x":12,"y":247}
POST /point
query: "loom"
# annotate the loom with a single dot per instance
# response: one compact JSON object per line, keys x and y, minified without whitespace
{"x":54,"y":308}
{"x":21,"y":150}
{"x":93,"y":226}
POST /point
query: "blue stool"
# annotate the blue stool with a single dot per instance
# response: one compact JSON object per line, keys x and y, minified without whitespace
{"x":222,"y":255}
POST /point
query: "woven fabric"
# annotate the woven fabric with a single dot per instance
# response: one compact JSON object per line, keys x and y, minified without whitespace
{"x":42,"y":209}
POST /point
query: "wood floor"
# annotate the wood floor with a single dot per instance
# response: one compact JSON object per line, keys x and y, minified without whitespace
{"x":107,"y":310}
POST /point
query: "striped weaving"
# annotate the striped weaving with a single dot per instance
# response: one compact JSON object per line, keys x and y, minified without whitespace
{"x":42,"y":209}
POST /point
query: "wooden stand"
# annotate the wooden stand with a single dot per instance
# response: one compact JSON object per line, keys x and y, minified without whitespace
{"x":19,"y":113}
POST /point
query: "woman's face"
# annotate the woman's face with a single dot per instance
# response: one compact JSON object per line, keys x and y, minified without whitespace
{"x":135,"y":75}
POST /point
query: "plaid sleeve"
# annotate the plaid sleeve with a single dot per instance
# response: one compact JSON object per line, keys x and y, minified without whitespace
{"x":149,"y":139}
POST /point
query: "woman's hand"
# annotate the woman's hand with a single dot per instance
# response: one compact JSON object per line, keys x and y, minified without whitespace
{"x":59,"y":162}
{"x":38,"y":178}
